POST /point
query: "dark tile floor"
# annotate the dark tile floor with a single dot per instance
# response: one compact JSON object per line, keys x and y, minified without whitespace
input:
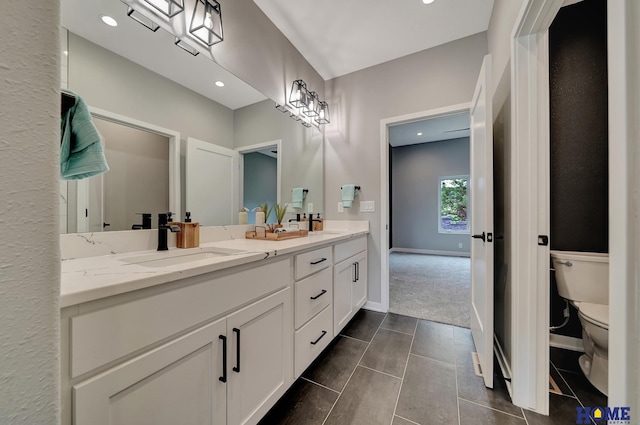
{"x":386,"y":369}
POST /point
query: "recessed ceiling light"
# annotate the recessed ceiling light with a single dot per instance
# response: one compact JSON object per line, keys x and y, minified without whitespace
{"x":419,"y":134}
{"x":109,"y":20}
{"x":428,"y":1}
{"x":219,"y":84}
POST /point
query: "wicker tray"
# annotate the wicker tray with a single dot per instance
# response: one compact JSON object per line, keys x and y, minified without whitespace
{"x":269,"y":235}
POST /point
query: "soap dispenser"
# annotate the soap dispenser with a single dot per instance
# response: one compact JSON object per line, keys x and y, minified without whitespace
{"x":243,"y":216}
{"x":189,"y":236}
{"x":260,"y":217}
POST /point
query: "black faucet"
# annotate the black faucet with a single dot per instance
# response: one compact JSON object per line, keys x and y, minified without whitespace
{"x":163,"y":226}
{"x":296,"y":219}
{"x":146,"y":222}
{"x":311,"y":221}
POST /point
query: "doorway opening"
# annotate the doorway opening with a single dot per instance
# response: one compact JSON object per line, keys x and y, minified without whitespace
{"x":429,"y":265}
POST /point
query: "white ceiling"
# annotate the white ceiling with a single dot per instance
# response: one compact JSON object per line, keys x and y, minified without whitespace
{"x":342,"y":36}
{"x":154,"y":51}
{"x":433,"y":130}
{"x":335,"y":36}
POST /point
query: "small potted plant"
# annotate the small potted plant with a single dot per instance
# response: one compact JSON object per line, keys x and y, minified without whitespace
{"x":280,"y":210}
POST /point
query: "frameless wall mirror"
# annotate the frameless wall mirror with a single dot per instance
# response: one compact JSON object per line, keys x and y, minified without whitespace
{"x":142,"y":75}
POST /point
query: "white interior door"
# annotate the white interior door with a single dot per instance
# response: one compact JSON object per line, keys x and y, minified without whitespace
{"x":211,"y":180}
{"x":482,"y":221}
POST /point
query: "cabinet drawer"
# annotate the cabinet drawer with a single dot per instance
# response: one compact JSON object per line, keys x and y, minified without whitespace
{"x":349,"y":248}
{"x":103,"y":336}
{"x":311,"y":262}
{"x":312,"y":295}
{"x":312,"y":338}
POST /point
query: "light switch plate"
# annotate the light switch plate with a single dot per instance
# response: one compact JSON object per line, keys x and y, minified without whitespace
{"x":340,"y":207}
{"x":310,"y":207}
{"x":367,"y":206}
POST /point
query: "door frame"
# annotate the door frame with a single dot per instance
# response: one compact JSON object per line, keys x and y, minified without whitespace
{"x":530,"y":198}
{"x":385,"y":123}
{"x":82,"y":222}
{"x":243,"y":150}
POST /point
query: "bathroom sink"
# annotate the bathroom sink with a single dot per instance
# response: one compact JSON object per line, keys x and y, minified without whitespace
{"x":176,"y":257}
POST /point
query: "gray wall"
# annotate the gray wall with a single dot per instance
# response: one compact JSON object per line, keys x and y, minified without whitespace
{"x":415,"y":173}
{"x":260,"y":183}
{"x":441,"y":76}
{"x":301,"y":153}
{"x":29,"y":252}
{"x":110,"y":82}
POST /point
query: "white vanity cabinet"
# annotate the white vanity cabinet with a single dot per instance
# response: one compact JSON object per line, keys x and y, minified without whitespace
{"x":313,"y":305}
{"x":349,"y":281}
{"x":229,"y":362}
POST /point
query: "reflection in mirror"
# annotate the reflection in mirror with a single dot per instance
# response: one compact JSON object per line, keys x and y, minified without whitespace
{"x":140,"y":74}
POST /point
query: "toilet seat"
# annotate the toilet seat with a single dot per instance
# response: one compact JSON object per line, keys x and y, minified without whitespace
{"x":597,"y":314}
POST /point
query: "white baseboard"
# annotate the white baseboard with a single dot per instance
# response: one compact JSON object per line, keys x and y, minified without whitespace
{"x":373,"y":306}
{"x":566,"y":342}
{"x":431,"y":252}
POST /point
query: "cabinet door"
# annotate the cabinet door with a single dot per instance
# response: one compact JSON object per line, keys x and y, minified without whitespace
{"x":359,"y":288}
{"x":344,"y":275}
{"x":260,"y":357}
{"x":176,"y":383}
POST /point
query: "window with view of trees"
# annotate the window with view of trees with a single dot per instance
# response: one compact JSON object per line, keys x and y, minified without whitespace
{"x":452,"y":217}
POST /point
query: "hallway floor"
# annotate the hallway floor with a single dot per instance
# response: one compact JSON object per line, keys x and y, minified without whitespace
{"x":389,"y":369}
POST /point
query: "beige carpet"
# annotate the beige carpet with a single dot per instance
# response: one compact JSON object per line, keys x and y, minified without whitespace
{"x":430,"y":287}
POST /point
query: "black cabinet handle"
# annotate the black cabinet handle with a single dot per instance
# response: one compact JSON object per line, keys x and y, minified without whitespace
{"x":355,"y":277}
{"x":313,"y":263}
{"x":357,"y":271}
{"x":236,"y":368}
{"x":223,"y":378}
{"x":324,"y":291}
{"x":319,"y":338}
{"x":479,"y":236}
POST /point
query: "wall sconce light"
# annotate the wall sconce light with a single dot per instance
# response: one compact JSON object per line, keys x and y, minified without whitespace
{"x":311,"y":110}
{"x":299,"y":94}
{"x":168,"y":8}
{"x":281,"y":108}
{"x":295,"y":117}
{"x":142,"y":20}
{"x":323,"y":113}
{"x":184,"y":46}
{"x":206,"y":22}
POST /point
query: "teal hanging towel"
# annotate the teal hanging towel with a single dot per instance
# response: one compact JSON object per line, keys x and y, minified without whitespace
{"x":81,"y":149}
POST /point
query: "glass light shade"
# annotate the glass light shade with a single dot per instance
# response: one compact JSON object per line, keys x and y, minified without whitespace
{"x":184,"y":46}
{"x":299,"y":96}
{"x":312,"y":109}
{"x":168,"y":8}
{"x":323,"y":113}
{"x":206,"y":22}
{"x":295,"y":117}
{"x":142,"y":20}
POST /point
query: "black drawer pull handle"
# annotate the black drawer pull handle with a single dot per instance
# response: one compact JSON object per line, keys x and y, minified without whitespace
{"x":324,"y":291}
{"x":313,"y":263}
{"x":357,"y":271}
{"x":236,"y":368}
{"x":223,"y":378}
{"x":319,"y":338}
{"x":354,"y":275}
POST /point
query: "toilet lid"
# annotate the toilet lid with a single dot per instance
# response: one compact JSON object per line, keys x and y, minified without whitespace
{"x":597,"y":314}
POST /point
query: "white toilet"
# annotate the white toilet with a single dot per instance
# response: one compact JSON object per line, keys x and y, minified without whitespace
{"x":583,"y":279}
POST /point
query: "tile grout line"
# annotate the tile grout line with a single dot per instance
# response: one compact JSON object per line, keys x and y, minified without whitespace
{"x":493,"y":408}
{"x":393,"y":330}
{"x":320,"y":385}
{"x":355,"y":339}
{"x":405,"y":419}
{"x":395,"y":408}
{"x":455,"y":367}
{"x":429,"y":358}
{"x":379,"y":371}
{"x":567,"y":384}
{"x":354,"y":369}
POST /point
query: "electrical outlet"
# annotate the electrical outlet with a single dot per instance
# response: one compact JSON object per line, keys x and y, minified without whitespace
{"x":310,"y":207}
{"x":460,"y":245}
{"x":340,"y":207}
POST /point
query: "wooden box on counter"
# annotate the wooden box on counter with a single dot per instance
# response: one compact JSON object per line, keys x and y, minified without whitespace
{"x":189,"y":235}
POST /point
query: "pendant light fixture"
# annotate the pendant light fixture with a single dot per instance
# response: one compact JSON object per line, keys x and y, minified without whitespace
{"x":312,"y":109}
{"x":168,"y":8}
{"x":206,"y":22}
{"x":142,"y":20}
{"x":323,"y":113}
{"x":299,"y":96}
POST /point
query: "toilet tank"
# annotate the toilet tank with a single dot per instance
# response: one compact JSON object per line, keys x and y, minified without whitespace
{"x":582,"y":276}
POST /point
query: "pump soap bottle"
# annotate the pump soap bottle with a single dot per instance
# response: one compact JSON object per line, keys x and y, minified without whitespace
{"x":243,"y":216}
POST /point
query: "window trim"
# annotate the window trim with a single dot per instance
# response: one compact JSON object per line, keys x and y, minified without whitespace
{"x":442,"y":231}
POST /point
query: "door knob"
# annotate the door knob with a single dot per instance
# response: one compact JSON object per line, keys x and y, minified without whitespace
{"x":479,"y":236}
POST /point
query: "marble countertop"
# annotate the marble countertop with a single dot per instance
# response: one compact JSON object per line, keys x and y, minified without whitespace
{"x":93,"y":278}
